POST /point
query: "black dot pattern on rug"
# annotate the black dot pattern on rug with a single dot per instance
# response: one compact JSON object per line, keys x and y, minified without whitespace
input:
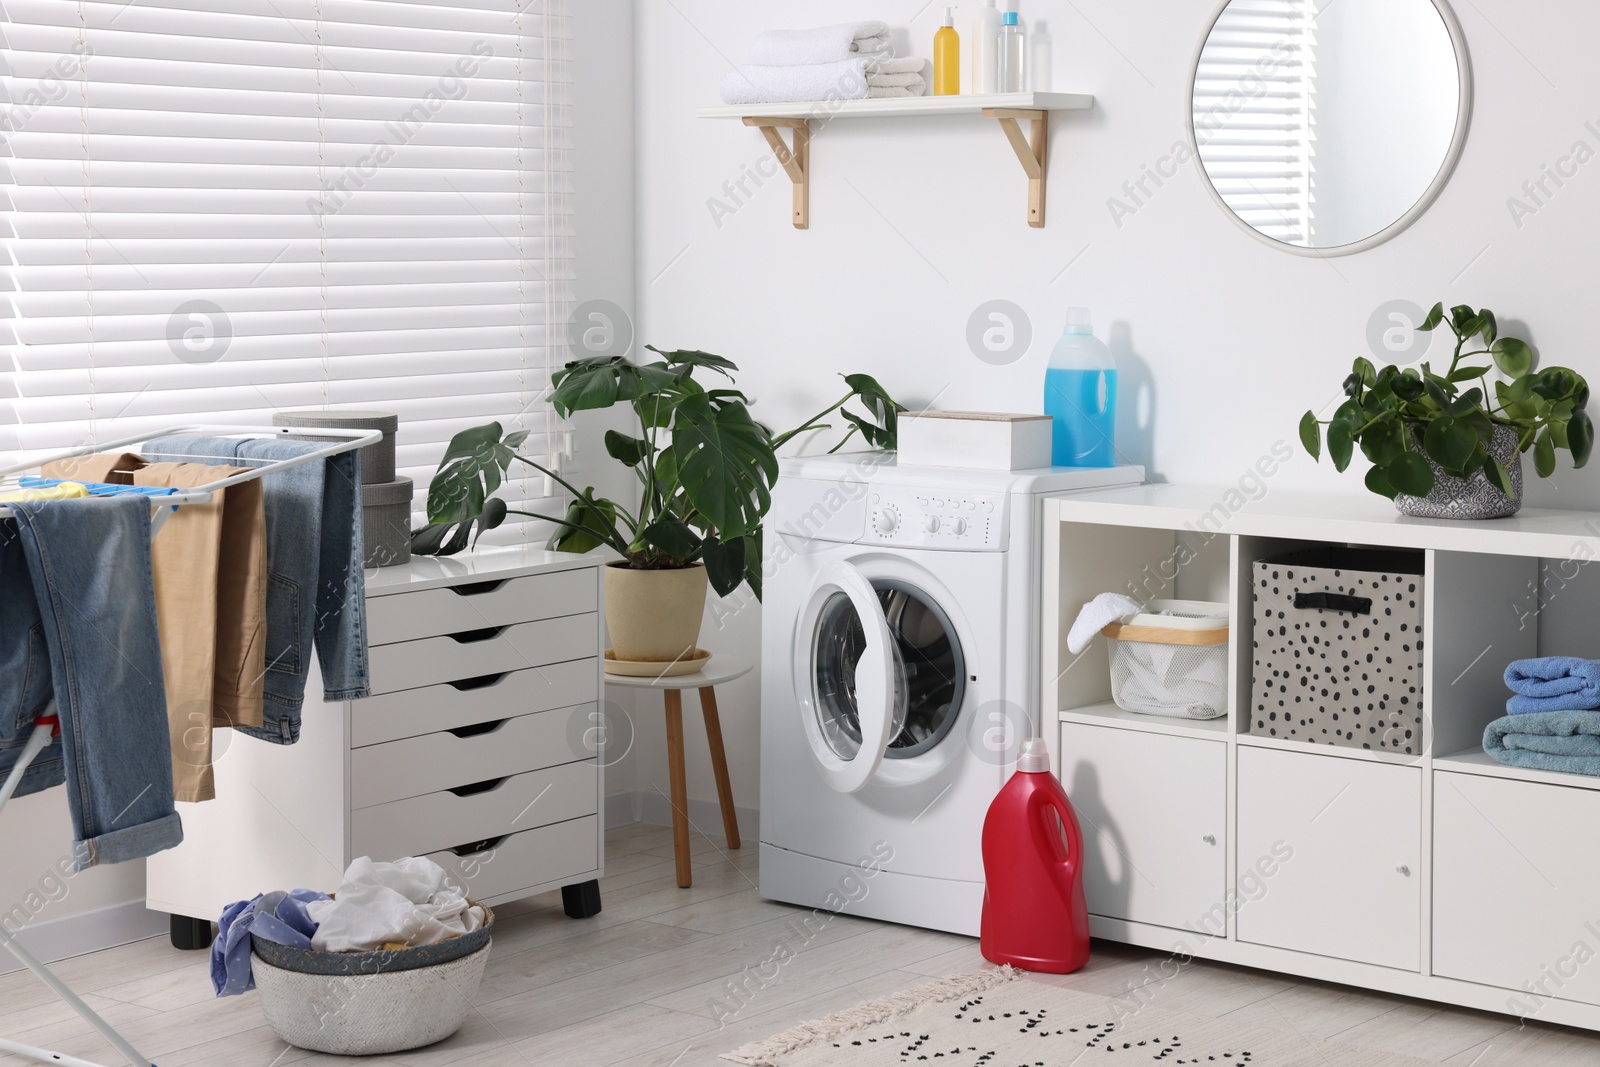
{"x":1332,"y":676}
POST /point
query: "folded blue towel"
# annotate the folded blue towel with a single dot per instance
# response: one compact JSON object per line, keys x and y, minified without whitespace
{"x":1564,"y":741}
{"x":1553,"y":683}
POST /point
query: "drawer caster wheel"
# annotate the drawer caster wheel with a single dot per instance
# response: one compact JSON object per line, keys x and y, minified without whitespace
{"x":581,"y":901}
{"x":190,"y":935}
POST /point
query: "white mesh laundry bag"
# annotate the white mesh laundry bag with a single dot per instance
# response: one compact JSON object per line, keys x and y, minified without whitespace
{"x":1171,"y":659}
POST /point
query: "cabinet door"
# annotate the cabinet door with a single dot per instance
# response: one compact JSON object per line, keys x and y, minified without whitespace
{"x":1153,"y":809}
{"x":1515,"y":887}
{"x":1344,"y":836}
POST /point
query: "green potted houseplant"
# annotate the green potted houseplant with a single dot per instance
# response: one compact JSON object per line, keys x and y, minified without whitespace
{"x":1450,"y":445}
{"x":705,"y":468}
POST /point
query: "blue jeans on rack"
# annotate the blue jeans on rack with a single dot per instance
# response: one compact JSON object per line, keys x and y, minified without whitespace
{"x":316,"y":589}
{"x":78,"y":621}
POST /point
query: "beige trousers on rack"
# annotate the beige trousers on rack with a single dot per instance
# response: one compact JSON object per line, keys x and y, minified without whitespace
{"x":210,"y":564}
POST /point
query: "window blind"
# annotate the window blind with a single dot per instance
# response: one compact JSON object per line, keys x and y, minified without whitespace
{"x":1254,"y":114}
{"x":217,"y":210}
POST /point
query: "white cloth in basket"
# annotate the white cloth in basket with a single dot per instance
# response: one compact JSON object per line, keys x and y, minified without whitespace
{"x":1096,"y":615}
{"x":409,"y":902}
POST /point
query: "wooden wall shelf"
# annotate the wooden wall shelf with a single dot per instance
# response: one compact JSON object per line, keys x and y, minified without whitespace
{"x":1010,"y":109}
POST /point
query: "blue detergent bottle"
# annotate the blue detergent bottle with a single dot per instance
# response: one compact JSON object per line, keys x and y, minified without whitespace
{"x":1080,"y":396}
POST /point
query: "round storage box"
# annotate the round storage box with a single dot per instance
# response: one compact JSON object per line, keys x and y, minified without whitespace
{"x":386,"y":523}
{"x":377,"y":460}
{"x":369,"y":1014}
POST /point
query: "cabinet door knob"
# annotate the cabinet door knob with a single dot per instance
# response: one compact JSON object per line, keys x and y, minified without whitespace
{"x":1404,"y":870}
{"x":1210,"y":839}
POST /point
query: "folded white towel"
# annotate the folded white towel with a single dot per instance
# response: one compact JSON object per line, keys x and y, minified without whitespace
{"x":893,"y":65}
{"x":826,"y":44}
{"x":781,"y":85}
{"x":893,"y":92}
{"x":905,"y":81}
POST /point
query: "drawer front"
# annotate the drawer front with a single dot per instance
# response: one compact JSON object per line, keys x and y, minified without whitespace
{"x":1515,"y":887}
{"x":1326,"y":839}
{"x":435,"y":762}
{"x":474,"y":654}
{"x":1153,"y":809}
{"x":473,"y":606}
{"x":521,"y":861}
{"x":412,"y":712}
{"x":420,"y":825}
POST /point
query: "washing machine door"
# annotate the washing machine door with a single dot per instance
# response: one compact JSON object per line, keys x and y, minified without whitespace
{"x":845,"y":667}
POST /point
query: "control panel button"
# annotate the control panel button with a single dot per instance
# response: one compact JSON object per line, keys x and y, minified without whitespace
{"x":960,"y":526}
{"x":932,"y":524}
{"x":888,"y":521}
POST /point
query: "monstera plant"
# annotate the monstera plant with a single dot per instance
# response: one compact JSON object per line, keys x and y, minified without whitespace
{"x":1448,"y":444}
{"x":705,"y":469}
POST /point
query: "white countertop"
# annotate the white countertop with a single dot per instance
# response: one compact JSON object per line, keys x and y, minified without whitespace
{"x":1355,"y":518}
{"x":489,"y":563}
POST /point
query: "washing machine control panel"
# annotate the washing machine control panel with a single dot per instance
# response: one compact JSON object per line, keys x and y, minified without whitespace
{"x":930,"y":518}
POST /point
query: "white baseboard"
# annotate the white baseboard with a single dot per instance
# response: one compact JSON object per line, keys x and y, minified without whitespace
{"x":88,"y":931}
{"x":648,"y":806}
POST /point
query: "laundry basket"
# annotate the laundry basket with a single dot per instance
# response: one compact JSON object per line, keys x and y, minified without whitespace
{"x":1171,"y":659}
{"x":369,"y":1003}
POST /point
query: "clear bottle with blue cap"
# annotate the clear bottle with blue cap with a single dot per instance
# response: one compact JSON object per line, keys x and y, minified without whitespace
{"x":1013,"y":55}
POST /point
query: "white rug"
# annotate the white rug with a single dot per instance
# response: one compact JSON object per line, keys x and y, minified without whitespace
{"x":1001,"y":1018}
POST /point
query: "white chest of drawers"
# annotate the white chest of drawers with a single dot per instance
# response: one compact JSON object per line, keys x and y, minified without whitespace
{"x":478,"y":748}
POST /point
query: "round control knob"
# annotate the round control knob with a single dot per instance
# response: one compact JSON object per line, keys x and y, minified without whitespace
{"x":959,"y":526}
{"x":888,"y":520}
{"x":932,"y":524}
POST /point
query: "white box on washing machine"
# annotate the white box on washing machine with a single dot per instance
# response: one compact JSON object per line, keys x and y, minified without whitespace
{"x":980,"y":440}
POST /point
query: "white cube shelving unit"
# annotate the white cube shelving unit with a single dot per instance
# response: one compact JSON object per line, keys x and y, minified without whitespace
{"x":1444,"y":875}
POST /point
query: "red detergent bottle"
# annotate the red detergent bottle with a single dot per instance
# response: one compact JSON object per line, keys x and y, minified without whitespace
{"x":1034,"y":916}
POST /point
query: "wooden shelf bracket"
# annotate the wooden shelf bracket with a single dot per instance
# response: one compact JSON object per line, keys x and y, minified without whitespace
{"x":1031,"y":155}
{"x":796,"y":160}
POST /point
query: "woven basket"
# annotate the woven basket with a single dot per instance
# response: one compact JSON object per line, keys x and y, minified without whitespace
{"x":368,"y":1014}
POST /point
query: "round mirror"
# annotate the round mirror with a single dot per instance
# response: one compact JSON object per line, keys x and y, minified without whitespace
{"x":1325,"y":132}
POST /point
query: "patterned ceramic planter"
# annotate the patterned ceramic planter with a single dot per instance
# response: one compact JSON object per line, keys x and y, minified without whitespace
{"x":1474,"y":497}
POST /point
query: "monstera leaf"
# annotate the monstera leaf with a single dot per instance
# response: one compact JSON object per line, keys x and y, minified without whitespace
{"x":725,"y":463}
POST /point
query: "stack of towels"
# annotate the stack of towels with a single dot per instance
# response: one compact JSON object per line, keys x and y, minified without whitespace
{"x":1553,"y":720}
{"x":851,"y":61}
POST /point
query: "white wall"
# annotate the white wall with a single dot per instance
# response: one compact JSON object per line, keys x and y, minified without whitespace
{"x":917,"y":222}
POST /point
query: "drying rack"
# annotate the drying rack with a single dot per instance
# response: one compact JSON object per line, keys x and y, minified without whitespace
{"x":47,"y":726}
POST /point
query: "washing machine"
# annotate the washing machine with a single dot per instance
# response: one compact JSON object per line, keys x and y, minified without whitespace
{"x":899,"y":652}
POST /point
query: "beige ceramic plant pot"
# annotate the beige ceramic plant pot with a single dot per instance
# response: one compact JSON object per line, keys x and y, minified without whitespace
{"x":654,"y":616}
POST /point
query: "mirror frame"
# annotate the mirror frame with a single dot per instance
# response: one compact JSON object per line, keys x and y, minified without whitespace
{"x":1458,"y":141}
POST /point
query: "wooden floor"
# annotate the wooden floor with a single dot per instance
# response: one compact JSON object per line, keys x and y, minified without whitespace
{"x":673,"y":977}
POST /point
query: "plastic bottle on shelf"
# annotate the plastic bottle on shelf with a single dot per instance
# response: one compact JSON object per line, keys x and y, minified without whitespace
{"x":1013,"y":56}
{"x":1034,"y":915}
{"x":1080,"y":396}
{"x":984,"y":46}
{"x":947,"y":57}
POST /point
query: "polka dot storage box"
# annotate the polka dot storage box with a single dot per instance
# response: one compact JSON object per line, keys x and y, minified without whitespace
{"x":1337,"y":648}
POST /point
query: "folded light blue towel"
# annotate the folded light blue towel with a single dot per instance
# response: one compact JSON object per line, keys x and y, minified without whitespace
{"x":1564,"y":741}
{"x":1553,"y":683}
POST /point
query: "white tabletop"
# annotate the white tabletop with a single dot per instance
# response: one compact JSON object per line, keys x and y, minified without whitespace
{"x":718,"y":669}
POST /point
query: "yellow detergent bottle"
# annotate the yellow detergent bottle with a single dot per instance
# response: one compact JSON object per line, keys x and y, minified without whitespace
{"x":947,"y":57}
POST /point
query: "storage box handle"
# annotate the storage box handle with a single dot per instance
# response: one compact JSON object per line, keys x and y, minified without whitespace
{"x":482,"y":681}
{"x":478,"y":787}
{"x":478,"y":729}
{"x":477,"y":588}
{"x":1355,"y":605}
{"x":477,"y":848}
{"x":487,"y":633}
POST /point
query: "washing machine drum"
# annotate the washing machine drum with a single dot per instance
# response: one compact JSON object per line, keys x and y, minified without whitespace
{"x":929,"y":671}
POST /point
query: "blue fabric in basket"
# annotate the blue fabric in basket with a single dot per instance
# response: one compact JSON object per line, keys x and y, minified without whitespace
{"x":280,"y":917}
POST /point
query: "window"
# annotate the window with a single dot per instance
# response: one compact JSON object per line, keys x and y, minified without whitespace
{"x":220,"y":210}
{"x":1254,"y":114}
